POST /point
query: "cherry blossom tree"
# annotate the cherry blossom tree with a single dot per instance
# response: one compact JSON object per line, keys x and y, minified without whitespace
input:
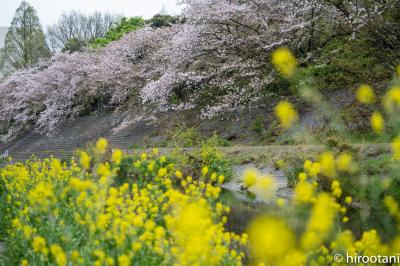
{"x":221,"y":47}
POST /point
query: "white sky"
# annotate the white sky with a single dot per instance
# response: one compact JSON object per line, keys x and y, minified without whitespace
{"x":50,"y":10}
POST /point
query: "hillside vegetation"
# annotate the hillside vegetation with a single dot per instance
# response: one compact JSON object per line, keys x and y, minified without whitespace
{"x":214,"y":60}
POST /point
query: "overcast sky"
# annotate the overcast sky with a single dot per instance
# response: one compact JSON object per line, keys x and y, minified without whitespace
{"x":50,"y":10}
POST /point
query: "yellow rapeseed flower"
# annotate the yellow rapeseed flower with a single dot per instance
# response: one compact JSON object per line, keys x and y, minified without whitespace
{"x":284,"y":61}
{"x":143,"y":156}
{"x":391,"y":205}
{"x":101,"y":146}
{"x":265,"y":187}
{"x":250,"y":177}
{"x":117,"y":156}
{"x":286,"y":114}
{"x":377,"y":122}
{"x":42,"y":196}
{"x":193,"y":232}
{"x":391,"y":100}
{"x":162,"y":172}
{"x":155,"y":151}
{"x":204,"y":171}
{"x":302,"y":176}
{"x":396,"y":148}
{"x":303,"y":192}
{"x":271,"y":240}
{"x":84,"y":160}
{"x":344,"y":162}
{"x":336,"y":190}
{"x":124,"y":260}
{"x":320,"y":222}
{"x":39,"y":245}
{"x":365,"y":94}
{"x":348,"y":199}
{"x":327,"y":162}
{"x":280,"y":202}
{"x":58,"y":255}
{"x":178,"y":174}
{"x":75,"y":256}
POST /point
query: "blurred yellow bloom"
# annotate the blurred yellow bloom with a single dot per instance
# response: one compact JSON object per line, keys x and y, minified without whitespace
{"x":280,"y":202}
{"x":204,"y":171}
{"x":377,"y":122}
{"x":302,"y":176}
{"x":155,"y":151}
{"x":265,"y":187}
{"x":392,"y":206}
{"x":396,"y":148}
{"x":85,"y":160}
{"x":124,"y":260}
{"x":320,"y":222}
{"x":101,"y":145}
{"x":117,"y":156}
{"x":336,"y":190}
{"x":27,"y":231}
{"x":178,"y":174}
{"x":365,"y":94}
{"x":249,"y":177}
{"x":39,"y":244}
{"x":162,"y":172}
{"x":327,"y":162}
{"x":271,"y":240}
{"x":193,"y":232}
{"x":284,"y":61}
{"x":103,"y":169}
{"x":344,"y":162}
{"x":143,"y":156}
{"x":75,"y":256}
{"x":303,"y":192}
{"x":58,"y":254}
{"x":42,"y":196}
{"x":286,"y":114}
{"x":391,"y":100}
{"x":24,"y":263}
{"x":348,"y":199}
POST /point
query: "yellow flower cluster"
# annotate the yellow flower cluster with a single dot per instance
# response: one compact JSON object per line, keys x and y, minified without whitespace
{"x":72,"y":215}
{"x":275,"y":240}
{"x":328,"y":166}
{"x":391,"y":100}
{"x":262,"y":185}
{"x":286,"y":114}
{"x":284,"y":61}
{"x":366,"y":95}
{"x":377,"y":122}
{"x":396,"y":149}
{"x":101,"y":145}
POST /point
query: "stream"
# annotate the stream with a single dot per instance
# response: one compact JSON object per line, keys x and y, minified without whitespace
{"x":247,"y":204}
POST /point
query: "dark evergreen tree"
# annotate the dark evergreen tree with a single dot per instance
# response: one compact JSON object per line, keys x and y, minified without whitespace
{"x":25,"y":41}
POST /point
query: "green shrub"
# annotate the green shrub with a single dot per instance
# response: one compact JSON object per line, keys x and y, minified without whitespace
{"x":258,"y":124}
{"x":125,"y":26}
